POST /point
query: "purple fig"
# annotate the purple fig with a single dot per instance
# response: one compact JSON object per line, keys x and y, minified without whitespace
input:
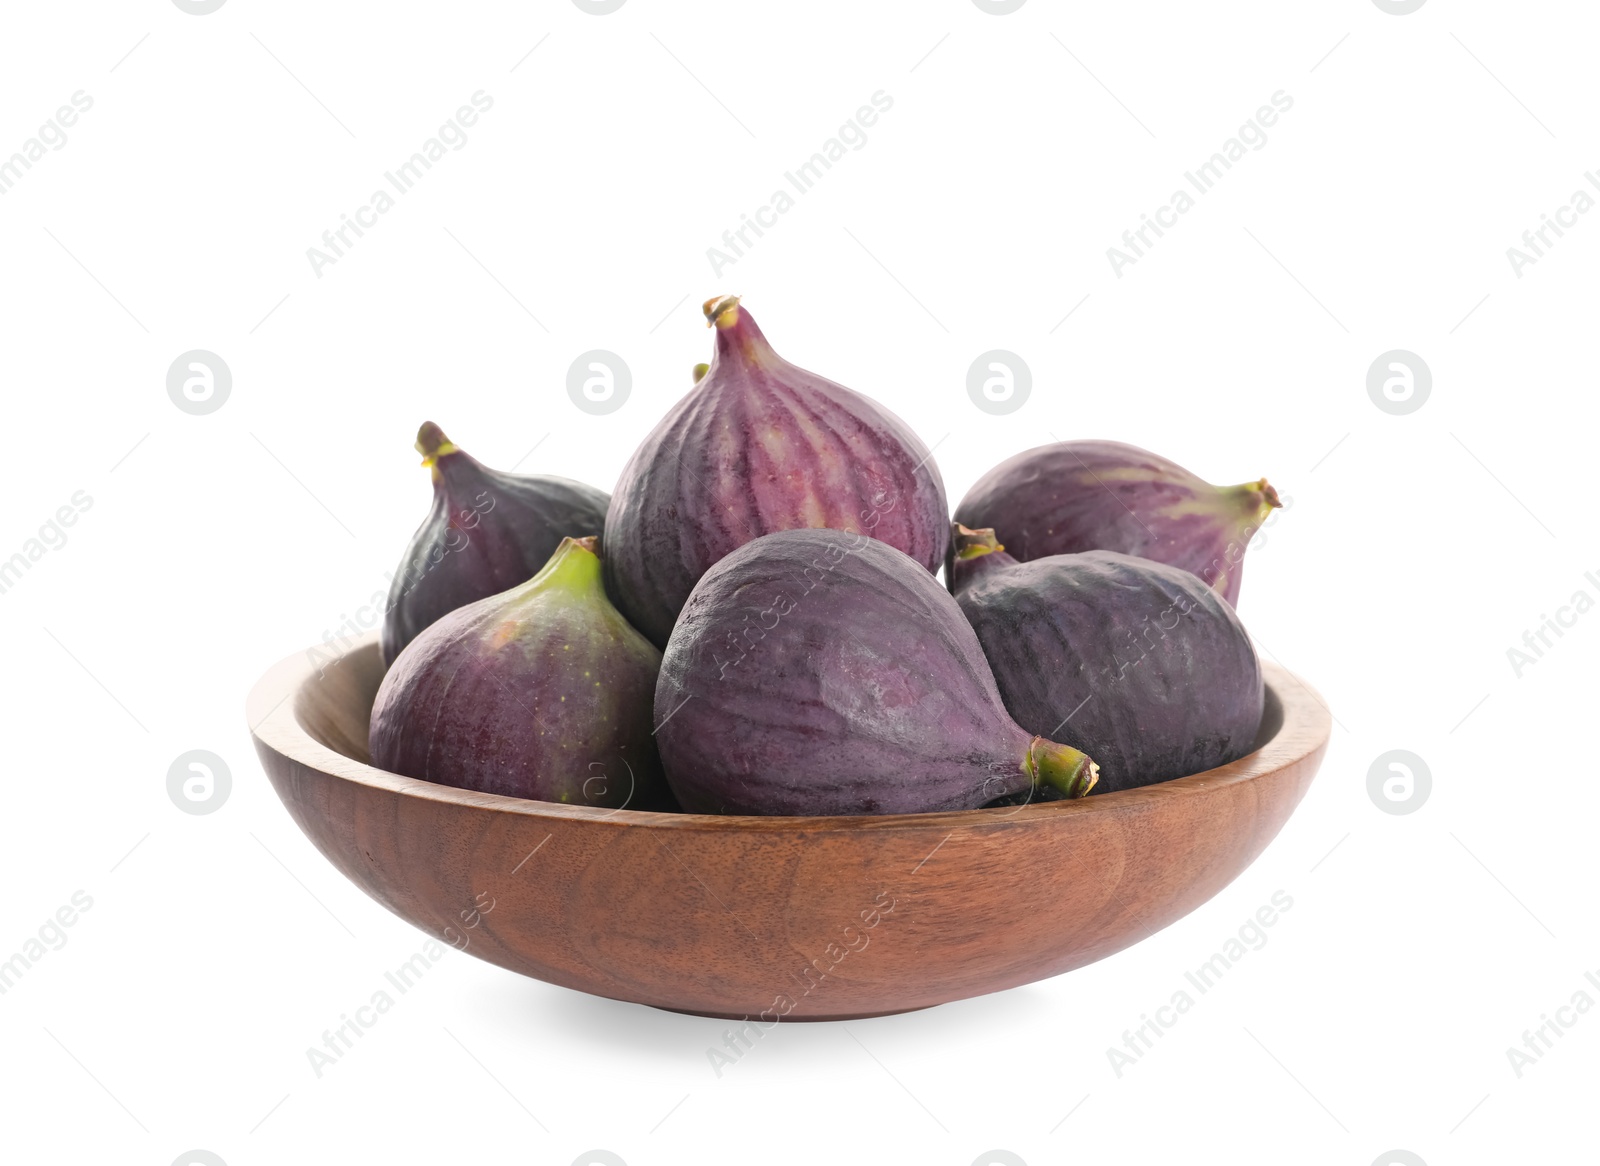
{"x":819,"y":672}
{"x":1105,"y":496}
{"x":541,"y":692}
{"x":487,"y":531}
{"x":1139,"y":664}
{"x":756,"y":446}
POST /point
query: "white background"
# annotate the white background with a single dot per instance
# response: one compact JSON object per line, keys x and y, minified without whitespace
{"x":1417,"y":550}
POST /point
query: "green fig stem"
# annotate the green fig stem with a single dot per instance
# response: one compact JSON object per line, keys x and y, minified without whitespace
{"x":1255,"y":501}
{"x":739,"y":340}
{"x":700,"y":370}
{"x":1061,"y":767}
{"x":970,"y":544}
{"x":432,"y":444}
{"x":723,"y":311}
{"x":575,"y":567}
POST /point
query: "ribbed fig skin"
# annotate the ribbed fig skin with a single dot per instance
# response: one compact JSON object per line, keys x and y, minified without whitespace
{"x":819,"y":672}
{"x":1078,"y":496}
{"x":541,"y":692}
{"x":1138,"y":664}
{"x":487,"y":531}
{"x":759,"y":445}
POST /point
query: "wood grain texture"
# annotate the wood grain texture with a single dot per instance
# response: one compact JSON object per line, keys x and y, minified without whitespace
{"x":724,"y":916}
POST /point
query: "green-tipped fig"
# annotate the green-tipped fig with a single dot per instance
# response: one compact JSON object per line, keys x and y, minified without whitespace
{"x":487,"y":531}
{"x":543,"y":691}
{"x":1106,"y":496}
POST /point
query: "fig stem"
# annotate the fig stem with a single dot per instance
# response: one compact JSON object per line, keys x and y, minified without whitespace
{"x":740,"y":343}
{"x":1061,"y":767}
{"x":1256,"y":499}
{"x":432,"y":444}
{"x":721,"y":311}
{"x":575,"y":567}
{"x":969,"y":543}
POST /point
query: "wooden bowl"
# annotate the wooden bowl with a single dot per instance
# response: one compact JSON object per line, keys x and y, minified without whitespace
{"x":768,"y":918}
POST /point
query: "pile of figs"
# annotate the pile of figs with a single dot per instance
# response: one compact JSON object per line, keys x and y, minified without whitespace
{"x":753,"y":621}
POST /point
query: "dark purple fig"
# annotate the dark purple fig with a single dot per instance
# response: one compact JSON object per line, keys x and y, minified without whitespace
{"x":1139,"y":664}
{"x":487,"y":531}
{"x":756,"y":446}
{"x":542,"y":692}
{"x":1105,"y":496}
{"x":819,"y":672}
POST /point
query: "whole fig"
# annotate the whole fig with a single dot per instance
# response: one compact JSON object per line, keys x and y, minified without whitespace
{"x":1106,"y":496}
{"x":487,"y":531}
{"x":1138,"y":663}
{"x":543,"y":692}
{"x":759,"y":445}
{"x":819,"y":672}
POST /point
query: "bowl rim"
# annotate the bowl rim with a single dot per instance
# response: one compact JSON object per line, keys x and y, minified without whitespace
{"x":272,"y":712}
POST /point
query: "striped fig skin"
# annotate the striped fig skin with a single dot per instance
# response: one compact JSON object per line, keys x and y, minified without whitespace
{"x":541,"y":692}
{"x":1139,"y":664}
{"x":486,"y":532}
{"x":819,"y":672}
{"x":759,"y":445}
{"x":1103,"y":495}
